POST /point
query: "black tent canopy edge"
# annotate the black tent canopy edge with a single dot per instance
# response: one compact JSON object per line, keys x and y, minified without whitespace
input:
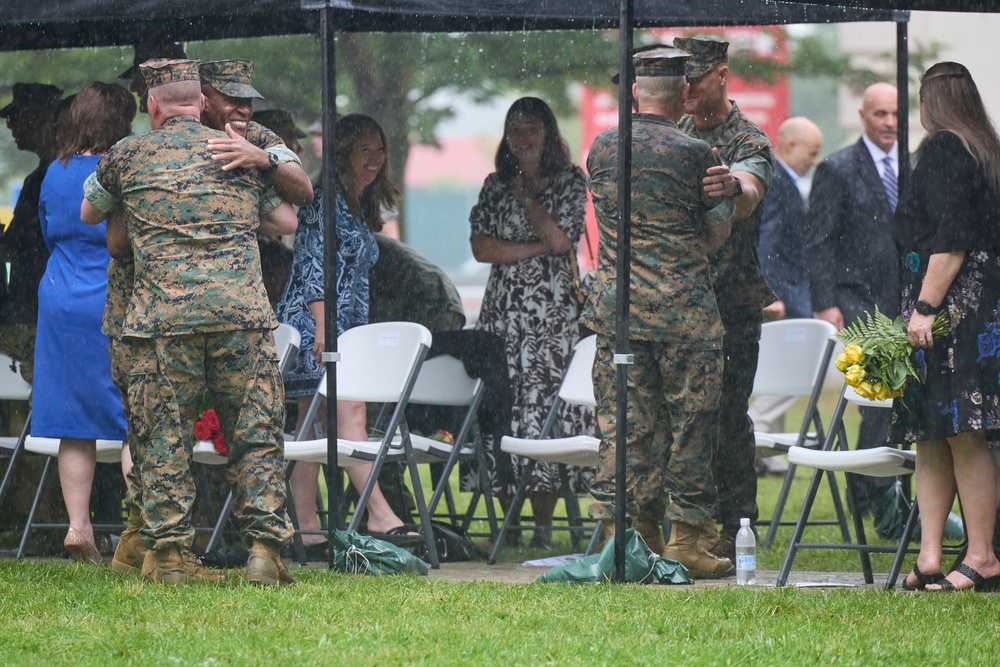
{"x":50,"y":24}
{"x":970,"y":6}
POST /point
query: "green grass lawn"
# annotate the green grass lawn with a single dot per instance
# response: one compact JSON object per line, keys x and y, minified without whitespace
{"x":56,"y":613}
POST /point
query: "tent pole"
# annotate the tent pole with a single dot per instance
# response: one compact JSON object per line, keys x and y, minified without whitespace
{"x":623,"y":355}
{"x":331,"y":247}
{"x":903,"y":88}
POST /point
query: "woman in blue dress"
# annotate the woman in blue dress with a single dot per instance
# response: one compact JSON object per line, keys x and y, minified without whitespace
{"x":74,"y":398}
{"x":363,"y":192}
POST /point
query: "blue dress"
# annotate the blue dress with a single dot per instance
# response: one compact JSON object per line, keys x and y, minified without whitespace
{"x":357,"y":255}
{"x":73,"y":396}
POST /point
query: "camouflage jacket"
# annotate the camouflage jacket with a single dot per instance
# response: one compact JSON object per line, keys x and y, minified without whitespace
{"x":405,"y":287}
{"x":192,"y":228}
{"x":736,"y":275}
{"x":671,"y":289}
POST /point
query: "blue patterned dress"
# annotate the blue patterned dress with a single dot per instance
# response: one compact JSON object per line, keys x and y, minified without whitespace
{"x":357,"y":255}
{"x":948,"y":206}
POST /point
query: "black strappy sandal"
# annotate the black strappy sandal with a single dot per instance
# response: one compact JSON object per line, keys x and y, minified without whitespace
{"x":924,"y":579}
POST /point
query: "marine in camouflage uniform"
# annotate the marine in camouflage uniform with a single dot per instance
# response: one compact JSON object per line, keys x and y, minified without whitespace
{"x":198,"y":319}
{"x":675,"y":333}
{"x":404,"y":286}
{"x":740,"y":289}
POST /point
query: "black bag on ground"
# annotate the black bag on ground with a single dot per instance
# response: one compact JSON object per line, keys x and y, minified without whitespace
{"x":453,"y":544}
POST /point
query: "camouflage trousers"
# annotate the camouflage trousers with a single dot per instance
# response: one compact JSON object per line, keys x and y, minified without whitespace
{"x":17,"y":341}
{"x":733,"y":464}
{"x":167,"y":383}
{"x":673,"y":412}
{"x":120,"y":356}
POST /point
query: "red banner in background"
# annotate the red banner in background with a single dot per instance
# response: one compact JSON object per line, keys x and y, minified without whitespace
{"x":765,"y":103}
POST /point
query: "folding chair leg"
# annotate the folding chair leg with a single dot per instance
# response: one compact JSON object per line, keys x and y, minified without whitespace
{"x":15,"y":457}
{"x":859,"y":529}
{"x":298,"y":549}
{"x":512,"y":511}
{"x":425,"y":518}
{"x":838,"y":506}
{"x":594,"y":538}
{"x":800,"y":526}
{"x":779,"y":509}
{"x":34,"y":508}
{"x":904,"y":546}
{"x":227,"y":508}
{"x":572,"y":507}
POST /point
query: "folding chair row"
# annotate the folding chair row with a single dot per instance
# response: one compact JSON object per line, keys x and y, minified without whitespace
{"x":835,"y":456}
{"x":12,"y":388}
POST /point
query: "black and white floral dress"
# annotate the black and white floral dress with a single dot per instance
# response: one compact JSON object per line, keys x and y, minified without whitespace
{"x":531,"y":304}
{"x":948,"y":207}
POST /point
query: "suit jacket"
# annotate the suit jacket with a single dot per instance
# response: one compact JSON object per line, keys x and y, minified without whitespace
{"x":782,"y":229}
{"x":849,"y":249}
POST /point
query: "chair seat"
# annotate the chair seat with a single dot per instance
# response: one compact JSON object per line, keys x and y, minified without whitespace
{"x":108,"y":451}
{"x":438,"y":449}
{"x":773,"y":444}
{"x":204,"y":452}
{"x":314,"y":451}
{"x":367,"y":450}
{"x":875,"y":462}
{"x":8,"y":441}
{"x":578,"y":450}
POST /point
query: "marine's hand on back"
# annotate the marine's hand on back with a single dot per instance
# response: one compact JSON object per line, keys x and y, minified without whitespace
{"x":237,"y":152}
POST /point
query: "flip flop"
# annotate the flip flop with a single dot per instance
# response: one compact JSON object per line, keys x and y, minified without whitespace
{"x":923,"y":579}
{"x":980,"y":583}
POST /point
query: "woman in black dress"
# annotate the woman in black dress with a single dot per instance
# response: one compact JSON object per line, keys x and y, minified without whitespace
{"x":946,"y":229}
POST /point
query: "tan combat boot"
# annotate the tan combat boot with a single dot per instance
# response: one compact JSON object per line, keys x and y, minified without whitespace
{"x":175,"y":565}
{"x":265,"y":566}
{"x":683,"y":548}
{"x":708,"y":536}
{"x":130,"y":552}
{"x":651,"y":532}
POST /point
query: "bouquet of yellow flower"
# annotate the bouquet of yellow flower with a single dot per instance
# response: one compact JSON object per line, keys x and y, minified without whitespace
{"x":878,"y":359}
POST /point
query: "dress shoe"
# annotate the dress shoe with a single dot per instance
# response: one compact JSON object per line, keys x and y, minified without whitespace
{"x":80,"y":548}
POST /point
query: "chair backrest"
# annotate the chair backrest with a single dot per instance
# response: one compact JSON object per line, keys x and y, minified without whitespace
{"x":12,"y":385}
{"x":578,"y":385}
{"x":443,"y":381}
{"x":377,"y":361}
{"x":287,"y":339}
{"x":791,"y":354}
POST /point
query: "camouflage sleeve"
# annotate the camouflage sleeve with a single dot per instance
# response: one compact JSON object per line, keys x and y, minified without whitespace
{"x":261,"y":137}
{"x":95,"y":193}
{"x":284,"y":154}
{"x":753,"y":154}
{"x":269,"y":201}
{"x":571,"y":202}
{"x":721,"y":214}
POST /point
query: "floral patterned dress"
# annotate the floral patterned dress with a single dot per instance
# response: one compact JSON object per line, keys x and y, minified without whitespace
{"x":531,"y":304}
{"x":948,"y":206}
{"x":357,"y":254}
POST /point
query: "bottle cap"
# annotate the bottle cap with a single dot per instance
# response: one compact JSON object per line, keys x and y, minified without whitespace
{"x":744,"y":522}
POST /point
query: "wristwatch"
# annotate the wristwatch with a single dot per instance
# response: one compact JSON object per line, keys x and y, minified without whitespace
{"x":925,"y":308}
{"x":272,"y":164}
{"x":739,"y":187}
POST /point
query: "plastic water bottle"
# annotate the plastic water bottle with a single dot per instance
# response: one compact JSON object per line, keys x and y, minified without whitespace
{"x":746,"y":554}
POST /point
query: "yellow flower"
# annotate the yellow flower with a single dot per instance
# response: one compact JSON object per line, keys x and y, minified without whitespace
{"x":854,"y":354}
{"x":865,"y":390}
{"x":841,"y":362}
{"x":882,"y":391}
{"x":854,"y":375}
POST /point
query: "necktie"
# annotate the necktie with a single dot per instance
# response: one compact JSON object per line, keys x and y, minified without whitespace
{"x":889,"y":181}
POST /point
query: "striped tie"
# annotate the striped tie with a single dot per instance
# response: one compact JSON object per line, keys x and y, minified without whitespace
{"x":889,"y":181}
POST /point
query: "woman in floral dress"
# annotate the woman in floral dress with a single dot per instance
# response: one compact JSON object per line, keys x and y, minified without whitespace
{"x":528,"y":220}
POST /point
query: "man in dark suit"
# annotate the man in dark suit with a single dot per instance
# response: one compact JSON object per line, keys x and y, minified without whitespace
{"x":783,"y":223}
{"x":849,"y":248}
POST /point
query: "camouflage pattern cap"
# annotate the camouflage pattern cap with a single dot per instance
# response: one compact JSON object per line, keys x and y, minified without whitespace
{"x":162,"y":71}
{"x":31,"y":94}
{"x":649,"y":47}
{"x":144,"y":52}
{"x":665,"y":61}
{"x":230,"y":77}
{"x":706,"y":54}
{"x":279,"y":121}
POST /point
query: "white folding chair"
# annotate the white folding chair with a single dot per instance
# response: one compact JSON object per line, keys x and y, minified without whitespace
{"x":793,"y":360}
{"x":577,"y":388}
{"x":287,"y":340}
{"x":835,"y":456}
{"x":108,"y":451}
{"x":12,"y":388}
{"x":443,"y":382}
{"x":379,"y":363}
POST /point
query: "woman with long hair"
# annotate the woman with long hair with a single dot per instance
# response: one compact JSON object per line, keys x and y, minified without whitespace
{"x":74,"y":398}
{"x":948,"y":235}
{"x":527,"y":222}
{"x":363,"y":192}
